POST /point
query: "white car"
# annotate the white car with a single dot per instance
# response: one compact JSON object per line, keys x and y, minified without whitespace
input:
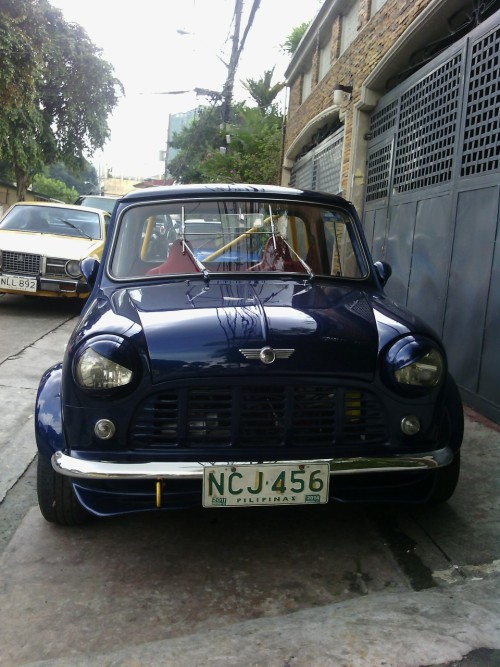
{"x":42,"y":245}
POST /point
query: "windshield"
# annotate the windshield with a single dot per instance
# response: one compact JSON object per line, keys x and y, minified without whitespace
{"x":53,"y":220}
{"x":105,"y":203}
{"x":236,"y":236}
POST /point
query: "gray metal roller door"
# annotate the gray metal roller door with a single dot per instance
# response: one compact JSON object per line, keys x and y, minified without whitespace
{"x":432,"y":204}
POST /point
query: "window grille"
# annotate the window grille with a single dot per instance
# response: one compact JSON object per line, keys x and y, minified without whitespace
{"x":302,"y":173}
{"x":328,"y":166}
{"x":384,"y":119}
{"x":427,"y":129}
{"x":379,"y":170}
{"x":321,"y":168}
{"x":481,"y":144}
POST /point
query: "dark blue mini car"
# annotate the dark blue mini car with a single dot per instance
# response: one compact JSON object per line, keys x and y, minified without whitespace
{"x":237,"y":350}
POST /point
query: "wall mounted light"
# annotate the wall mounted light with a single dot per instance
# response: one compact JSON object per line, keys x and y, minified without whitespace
{"x":341,"y":95}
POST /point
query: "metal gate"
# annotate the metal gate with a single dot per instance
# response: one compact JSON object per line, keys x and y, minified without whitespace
{"x":321,"y":168}
{"x":432,"y":204}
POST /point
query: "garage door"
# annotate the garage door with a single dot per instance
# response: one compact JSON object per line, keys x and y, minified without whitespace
{"x":432,"y":204}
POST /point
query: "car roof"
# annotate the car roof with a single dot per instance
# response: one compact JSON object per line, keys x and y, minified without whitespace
{"x":230,"y":190}
{"x":110,"y":197}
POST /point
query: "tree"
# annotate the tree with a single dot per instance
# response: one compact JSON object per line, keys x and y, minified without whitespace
{"x":253,"y":154}
{"x":84,"y":181}
{"x":293,"y":39}
{"x":55,"y":189}
{"x":56,"y":91}
{"x":237,"y":48}
{"x":199,"y":139}
{"x":262,"y":91}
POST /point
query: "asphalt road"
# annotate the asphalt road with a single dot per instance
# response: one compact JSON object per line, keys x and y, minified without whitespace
{"x":338,"y":585}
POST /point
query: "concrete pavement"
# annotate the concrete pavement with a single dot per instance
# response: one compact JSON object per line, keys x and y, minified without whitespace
{"x":114,"y":595}
{"x":20,"y":374}
{"x":432,"y":627}
{"x":133,"y":593}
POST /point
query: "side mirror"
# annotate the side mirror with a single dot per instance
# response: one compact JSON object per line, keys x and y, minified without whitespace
{"x":90,"y":268}
{"x":384,"y":271}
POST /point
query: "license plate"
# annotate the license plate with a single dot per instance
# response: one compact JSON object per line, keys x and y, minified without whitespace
{"x":266,"y":484}
{"x":18,"y":283}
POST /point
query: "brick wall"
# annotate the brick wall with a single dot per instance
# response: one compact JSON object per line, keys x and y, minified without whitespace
{"x":375,"y":38}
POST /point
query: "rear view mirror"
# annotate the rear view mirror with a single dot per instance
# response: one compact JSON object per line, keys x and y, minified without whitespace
{"x":90,"y":268}
{"x":384,"y":271}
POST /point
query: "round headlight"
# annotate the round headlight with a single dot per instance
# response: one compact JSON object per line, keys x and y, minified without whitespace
{"x":93,"y":371}
{"x":423,"y":372}
{"x":72,"y":268}
{"x":105,"y":363}
{"x":414,"y":364}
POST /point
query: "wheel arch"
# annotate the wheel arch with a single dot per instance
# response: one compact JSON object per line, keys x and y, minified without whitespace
{"x":48,"y":413}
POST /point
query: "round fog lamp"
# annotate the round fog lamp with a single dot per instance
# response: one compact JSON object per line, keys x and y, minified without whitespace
{"x":104,"y":429}
{"x":410,"y":425}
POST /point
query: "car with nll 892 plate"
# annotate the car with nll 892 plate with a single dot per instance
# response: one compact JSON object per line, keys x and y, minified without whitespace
{"x":42,"y":245}
{"x":252,"y":359}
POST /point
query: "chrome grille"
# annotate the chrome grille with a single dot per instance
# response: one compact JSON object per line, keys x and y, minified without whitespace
{"x":258,"y":416}
{"x":20,"y":262}
{"x":55,"y":267}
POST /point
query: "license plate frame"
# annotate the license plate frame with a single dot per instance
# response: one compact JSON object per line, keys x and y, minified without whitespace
{"x":266,"y":484}
{"x":17,"y":283}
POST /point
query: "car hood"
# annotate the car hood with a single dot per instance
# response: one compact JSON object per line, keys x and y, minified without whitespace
{"x":49,"y":245}
{"x":221,"y":325}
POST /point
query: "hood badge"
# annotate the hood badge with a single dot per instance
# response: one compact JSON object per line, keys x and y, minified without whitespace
{"x":266,"y":354}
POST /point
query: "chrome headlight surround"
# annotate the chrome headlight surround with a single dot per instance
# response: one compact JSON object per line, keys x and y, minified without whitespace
{"x":72,"y":268}
{"x":414,"y":365}
{"x":105,"y":365}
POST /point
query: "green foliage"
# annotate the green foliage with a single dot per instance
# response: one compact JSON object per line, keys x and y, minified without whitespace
{"x":194,"y":142}
{"x":55,"y":189}
{"x":6,"y":171}
{"x":262,"y":91}
{"x":252,"y":156}
{"x":56,"y":91}
{"x":253,"y":153}
{"x":293,"y":39}
{"x":84,"y":181}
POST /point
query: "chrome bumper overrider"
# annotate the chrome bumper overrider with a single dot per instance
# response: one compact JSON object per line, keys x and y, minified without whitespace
{"x":81,"y":468}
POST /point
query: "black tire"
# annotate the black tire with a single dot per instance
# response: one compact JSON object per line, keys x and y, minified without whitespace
{"x":451,"y":435}
{"x":56,"y":498}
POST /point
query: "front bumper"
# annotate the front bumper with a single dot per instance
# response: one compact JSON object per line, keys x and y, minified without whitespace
{"x":53,"y":287}
{"x":85,"y":469}
{"x":63,"y":286}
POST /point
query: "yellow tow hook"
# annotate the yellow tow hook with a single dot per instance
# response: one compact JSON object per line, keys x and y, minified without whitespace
{"x":158,"y":493}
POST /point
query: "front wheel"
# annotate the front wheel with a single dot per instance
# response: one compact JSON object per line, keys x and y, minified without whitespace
{"x":450,"y":434}
{"x":56,"y":498}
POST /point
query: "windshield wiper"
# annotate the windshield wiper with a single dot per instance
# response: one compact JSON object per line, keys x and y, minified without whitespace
{"x":70,"y":224}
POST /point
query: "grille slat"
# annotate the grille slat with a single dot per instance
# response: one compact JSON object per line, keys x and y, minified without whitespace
{"x":20,"y":262}
{"x":55,"y":267}
{"x":257,"y":416}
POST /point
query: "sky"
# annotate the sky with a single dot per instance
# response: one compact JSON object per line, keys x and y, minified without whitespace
{"x":156,"y":46}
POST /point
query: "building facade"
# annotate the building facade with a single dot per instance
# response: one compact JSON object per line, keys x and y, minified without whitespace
{"x":394,"y":104}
